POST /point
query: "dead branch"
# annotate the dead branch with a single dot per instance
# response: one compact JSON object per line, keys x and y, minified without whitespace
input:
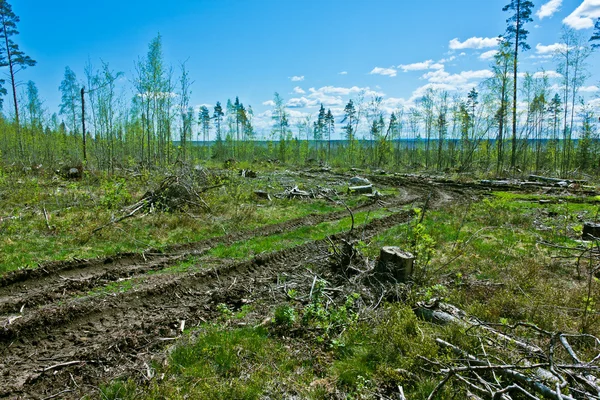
{"x":60,"y":365}
{"x":511,"y":373}
{"x":58,"y":394}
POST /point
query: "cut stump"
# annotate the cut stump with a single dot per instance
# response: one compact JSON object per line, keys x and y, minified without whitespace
{"x":591,"y":231}
{"x":395,"y":263}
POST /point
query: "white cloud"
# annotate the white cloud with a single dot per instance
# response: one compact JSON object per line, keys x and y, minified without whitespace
{"x":418,"y":66}
{"x":583,"y":17}
{"x":589,"y":89}
{"x":395,"y":102}
{"x":343,"y":73}
{"x":543,"y":56}
{"x":301,"y":102}
{"x":383,"y":71}
{"x":549,"y":49}
{"x":343,"y":91}
{"x":473,"y":43}
{"x":321,"y":96}
{"x":445,"y":60}
{"x":441,"y":76}
{"x":549,"y":9}
{"x":548,"y":74}
{"x":421,"y":91}
{"x":298,"y":90}
{"x":269,"y":103}
{"x":297,"y":78}
{"x":488,"y":55}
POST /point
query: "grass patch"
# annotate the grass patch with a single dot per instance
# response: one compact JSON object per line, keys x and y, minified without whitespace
{"x":56,"y":220}
{"x":224,"y":363}
{"x":251,"y":248}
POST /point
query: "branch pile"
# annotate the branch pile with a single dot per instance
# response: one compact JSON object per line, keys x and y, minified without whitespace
{"x":520,"y":361}
{"x":174,"y":193}
{"x":315,"y":193}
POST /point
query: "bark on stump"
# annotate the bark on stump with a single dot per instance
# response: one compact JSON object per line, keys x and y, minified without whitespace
{"x":395,"y":263}
{"x":591,"y":231}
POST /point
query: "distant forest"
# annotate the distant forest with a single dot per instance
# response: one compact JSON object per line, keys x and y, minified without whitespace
{"x":514,"y":121}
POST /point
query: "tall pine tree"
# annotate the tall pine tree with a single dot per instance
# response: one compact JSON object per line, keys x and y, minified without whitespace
{"x":10,"y":54}
{"x":516,"y":34}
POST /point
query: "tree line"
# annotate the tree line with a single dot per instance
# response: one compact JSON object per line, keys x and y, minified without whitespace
{"x":511,"y":122}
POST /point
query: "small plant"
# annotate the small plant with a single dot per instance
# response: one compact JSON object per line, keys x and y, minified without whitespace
{"x":115,"y":194}
{"x":224,"y":311}
{"x":285,"y":315}
{"x":292,"y":294}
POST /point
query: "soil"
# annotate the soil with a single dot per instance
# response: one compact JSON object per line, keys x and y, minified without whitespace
{"x":58,"y":341}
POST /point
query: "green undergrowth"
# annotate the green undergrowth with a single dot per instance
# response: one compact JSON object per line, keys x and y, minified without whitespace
{"x":44,"y":218}
{"x":367,"y":358}
{"x":491,"y":257}
{"x":250,"y":248}
{"x":502,"y":260}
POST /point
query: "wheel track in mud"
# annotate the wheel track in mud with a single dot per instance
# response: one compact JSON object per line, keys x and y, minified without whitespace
{"x":55,"y":281}
{"x":112,"y":335}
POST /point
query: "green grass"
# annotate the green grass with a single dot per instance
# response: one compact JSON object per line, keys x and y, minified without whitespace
{"x":250,"y":248}
{"x":223,"y":363}
{"x":120,"y":286}
{"x":75,"y":208}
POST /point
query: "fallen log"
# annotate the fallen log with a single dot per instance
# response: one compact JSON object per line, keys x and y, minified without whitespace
{"x":360,"y":189}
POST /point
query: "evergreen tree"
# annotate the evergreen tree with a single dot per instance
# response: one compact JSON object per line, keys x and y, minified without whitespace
{"x":330,"y":125}
{"x":218,"y":117}
{"x":596,"y":35}
{"x":11,"y":56}
{"x":319,"y":125}
{"x":555,"y":110}
{"x":516,"y":34}
{"x":349,"y":117}
{"x":204,"y":122}
{"x":70,"y":105}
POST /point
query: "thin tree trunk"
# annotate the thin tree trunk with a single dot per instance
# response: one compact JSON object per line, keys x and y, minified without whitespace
{"x":83,"y":123}
{"x":514,"y":105}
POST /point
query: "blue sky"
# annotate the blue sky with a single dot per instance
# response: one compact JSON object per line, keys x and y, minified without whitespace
{"x":310,"y":51}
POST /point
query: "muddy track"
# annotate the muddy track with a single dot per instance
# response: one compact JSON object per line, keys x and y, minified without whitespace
{"x":56,"y":281}
{"x":101,"y":337}
{"x":72,"y":346}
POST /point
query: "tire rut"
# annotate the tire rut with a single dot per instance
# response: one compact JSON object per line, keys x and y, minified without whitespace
{"x":76,"y":343}
{"x":56,"y":281}
{"x":94,"y":340}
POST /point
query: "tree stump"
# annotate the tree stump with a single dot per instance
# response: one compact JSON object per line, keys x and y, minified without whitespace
{"x":261,"y":194}
{"x":395,"y":263}
{"x":591,"y":230}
